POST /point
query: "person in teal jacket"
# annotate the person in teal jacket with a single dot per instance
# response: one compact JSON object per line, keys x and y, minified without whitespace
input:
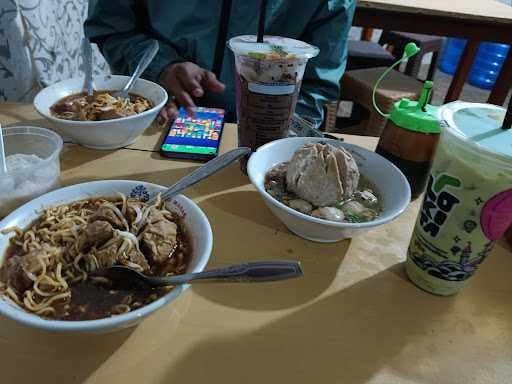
{"x":193,"y":62}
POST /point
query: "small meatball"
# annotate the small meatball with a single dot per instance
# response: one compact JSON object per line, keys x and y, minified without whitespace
{"x":301,"y":206}
{"x":31,"y":262}
{"x":135,"y":256}
{"x":95,"y":234}
{"x":154,"y":215}
{"x":328,"y":213}
{"x":158,"y":241}
{"x":105,"y":213}
{"x":105,"y":257}
{"x":14,"y":274}
{"x":367,"y":196}
{"x":110,"y":255}
{"x":356,"y":212}
{"x":275,"y":181}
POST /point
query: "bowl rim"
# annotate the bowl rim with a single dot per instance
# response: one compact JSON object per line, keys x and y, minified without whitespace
{"x":156,"y":107}
{"x":404,"y":203}
{"x":43,"y":132}
{"x":108,"y":323}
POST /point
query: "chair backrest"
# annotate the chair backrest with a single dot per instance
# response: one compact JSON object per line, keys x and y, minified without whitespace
{"x":40,"y":44}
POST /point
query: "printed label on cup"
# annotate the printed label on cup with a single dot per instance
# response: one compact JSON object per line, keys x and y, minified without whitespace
{"x":271,"y":88}
{"x":496,"y":215}
{"x":448,"y":243}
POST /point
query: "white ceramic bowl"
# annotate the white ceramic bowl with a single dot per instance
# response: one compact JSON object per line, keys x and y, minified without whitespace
{"x":195,"y":222}
{"x":390,"y":184}
{"x":107,"y":134}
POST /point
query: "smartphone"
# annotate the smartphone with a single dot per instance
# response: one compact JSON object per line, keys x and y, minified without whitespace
{"x":195,"y":137}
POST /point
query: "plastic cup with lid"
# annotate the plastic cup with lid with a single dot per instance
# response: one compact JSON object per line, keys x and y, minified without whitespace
{"x":268,"y":79}
{"x":468,"y":201}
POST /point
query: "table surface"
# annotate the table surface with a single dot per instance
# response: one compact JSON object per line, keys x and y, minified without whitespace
{"x":484,"y":10}
{"x":353,"y":318}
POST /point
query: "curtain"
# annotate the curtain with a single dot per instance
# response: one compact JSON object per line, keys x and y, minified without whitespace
{"x":40,"y":44}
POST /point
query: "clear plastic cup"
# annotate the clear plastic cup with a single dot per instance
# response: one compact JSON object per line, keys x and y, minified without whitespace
{"x":268,"y":80}
{"x":29,"y":177}
{"x":468,"y":200}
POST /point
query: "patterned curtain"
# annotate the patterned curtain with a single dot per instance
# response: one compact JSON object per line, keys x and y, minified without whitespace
{"x":40,"y":44}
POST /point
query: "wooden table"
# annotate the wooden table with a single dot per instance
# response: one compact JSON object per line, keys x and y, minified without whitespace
{"x":353,"y":318}
{"x":475,"y":20}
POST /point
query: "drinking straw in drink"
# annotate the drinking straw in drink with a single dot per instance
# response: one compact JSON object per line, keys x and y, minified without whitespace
{"x":261,"y":24}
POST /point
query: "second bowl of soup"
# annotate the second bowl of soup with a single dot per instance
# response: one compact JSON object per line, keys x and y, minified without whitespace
{"x":326,"y":190}
{"x":100,"y":122}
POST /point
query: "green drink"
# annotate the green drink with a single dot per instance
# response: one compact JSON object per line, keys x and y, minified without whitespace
{"x":468,"y":201}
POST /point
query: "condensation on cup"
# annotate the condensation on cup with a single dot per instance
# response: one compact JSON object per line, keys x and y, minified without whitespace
{"x":468,"y":201}
{"x":268,"y":80}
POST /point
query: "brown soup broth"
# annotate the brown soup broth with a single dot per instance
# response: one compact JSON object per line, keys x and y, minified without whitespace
{"x":76,"y":96}
{"x":66,"y":104}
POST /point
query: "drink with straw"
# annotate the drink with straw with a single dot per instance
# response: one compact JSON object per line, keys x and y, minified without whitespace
{"x":468,"y":201}
{"x":268,"y":79}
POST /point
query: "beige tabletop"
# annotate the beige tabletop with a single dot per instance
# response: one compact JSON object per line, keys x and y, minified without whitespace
{"x":490,"y":10}
{"x":353,"y":318}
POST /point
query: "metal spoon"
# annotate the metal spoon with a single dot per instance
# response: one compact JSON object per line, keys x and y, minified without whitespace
{"x":252,"y":272}
{"x":88,"y":63}
{"x":3,"y":161}
{"x":147,"y":58}
{"x":203,"y":172}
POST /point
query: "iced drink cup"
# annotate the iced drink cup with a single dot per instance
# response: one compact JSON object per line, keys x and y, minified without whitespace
{"x":468,"y":201}
{"x":268,"y":80}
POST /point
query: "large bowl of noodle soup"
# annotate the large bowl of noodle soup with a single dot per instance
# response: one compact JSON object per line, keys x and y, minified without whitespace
{"x":192,"y":219}
{"x":111,"y":133}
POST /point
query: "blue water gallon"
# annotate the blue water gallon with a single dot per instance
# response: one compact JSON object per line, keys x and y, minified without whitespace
{"x":487,"y":65}
{"x":450,"y":57}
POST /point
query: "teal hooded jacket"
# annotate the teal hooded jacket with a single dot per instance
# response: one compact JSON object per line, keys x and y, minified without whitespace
{"x":197,"y":31}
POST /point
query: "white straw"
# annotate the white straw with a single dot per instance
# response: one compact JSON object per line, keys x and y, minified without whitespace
{"x":3,"y":165}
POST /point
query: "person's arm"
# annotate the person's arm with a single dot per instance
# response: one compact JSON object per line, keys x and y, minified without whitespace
{"x":328,"y":30}
{"x":118,"y":27}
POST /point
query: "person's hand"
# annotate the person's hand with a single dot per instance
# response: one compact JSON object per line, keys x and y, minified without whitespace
{"x":184,"y":81}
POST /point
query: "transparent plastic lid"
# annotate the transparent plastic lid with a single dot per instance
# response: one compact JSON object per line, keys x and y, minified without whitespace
{"x":272,"y":48}
{"x":480,"y":125}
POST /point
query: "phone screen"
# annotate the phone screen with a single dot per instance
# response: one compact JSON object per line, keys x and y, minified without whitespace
{"x":194,"y":136}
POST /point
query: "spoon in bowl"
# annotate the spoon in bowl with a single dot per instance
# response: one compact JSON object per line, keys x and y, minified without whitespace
{"x":88,"y":62}
{"x":147,"y":58}
{"x":203,"y":172}
{"x":3,"y":163}
{"x":251,"y":272}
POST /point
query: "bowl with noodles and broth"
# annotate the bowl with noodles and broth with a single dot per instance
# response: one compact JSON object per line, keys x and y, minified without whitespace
{"x":50,"y":247}
{"x":101,"y":121}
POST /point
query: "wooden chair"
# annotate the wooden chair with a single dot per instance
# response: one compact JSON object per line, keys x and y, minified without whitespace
{"x":357,"y":86}
{"x":396,"y":41}
{"x":366,"y":54}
